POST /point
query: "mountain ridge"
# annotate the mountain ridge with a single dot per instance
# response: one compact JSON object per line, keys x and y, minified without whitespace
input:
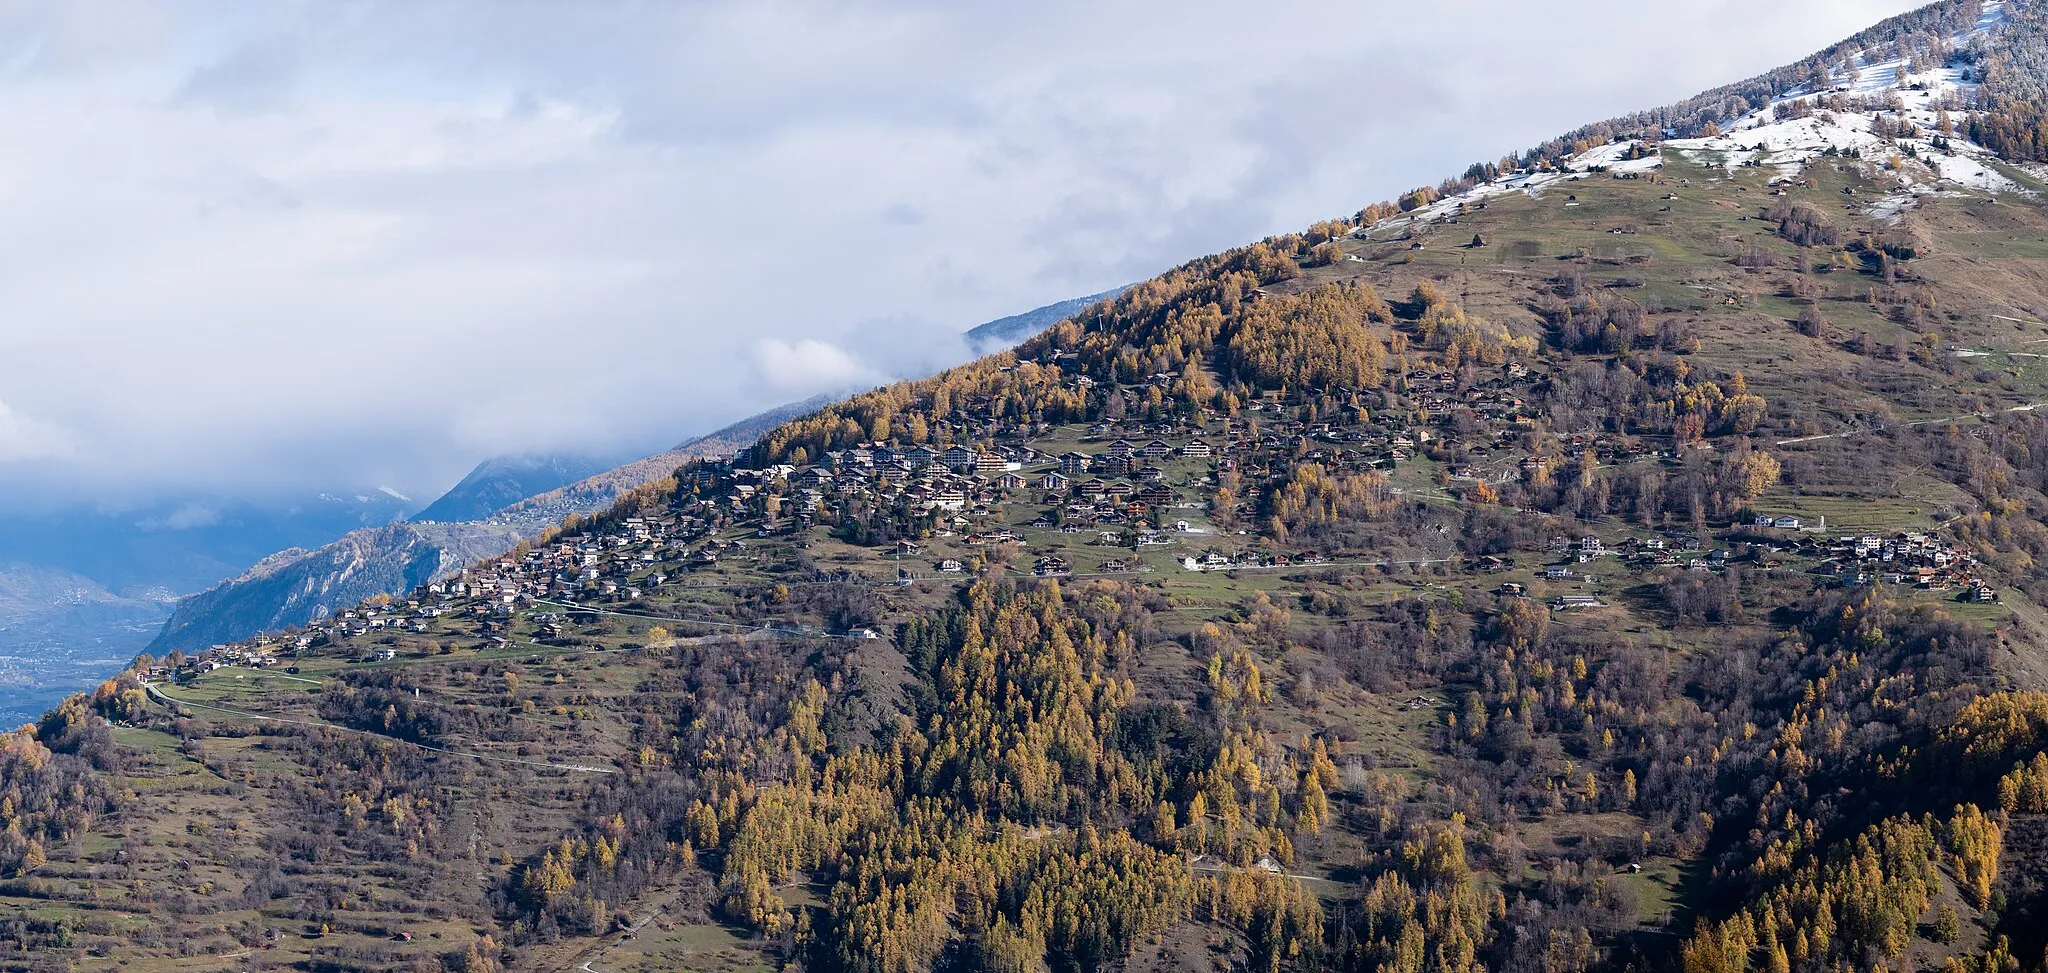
{"x":501,"y":481}
{"x":1003,"y":332}
{"x":1626,"y":560}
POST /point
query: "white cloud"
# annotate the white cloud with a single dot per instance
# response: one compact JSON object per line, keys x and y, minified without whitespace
{"x":366,"y":243}
{"x":24,"y":438}
{"x":809,"y":363}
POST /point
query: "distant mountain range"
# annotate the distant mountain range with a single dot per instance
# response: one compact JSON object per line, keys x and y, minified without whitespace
{"x":501,"y":502}
{"x":180,"y":544}
{"x":83,"y":588}
{"x":1004,"y":332}
{"x":499,"y":483}
{"x":296,"y":586}
{"x":58,"y":632}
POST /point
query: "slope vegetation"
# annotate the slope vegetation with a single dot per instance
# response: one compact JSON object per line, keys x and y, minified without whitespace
{"x":1631,"y":559}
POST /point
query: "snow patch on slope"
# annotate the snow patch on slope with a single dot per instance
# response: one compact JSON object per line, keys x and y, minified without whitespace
{"x":1798,"y":127}
{"x":1787,"y":136}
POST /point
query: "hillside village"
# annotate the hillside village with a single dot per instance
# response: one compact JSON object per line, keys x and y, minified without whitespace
{"x":1604,"y":562}
{"x":1124,"y":501}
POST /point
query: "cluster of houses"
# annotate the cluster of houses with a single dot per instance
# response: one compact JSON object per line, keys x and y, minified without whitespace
{"x":1126,"y":480}
{"x":1120,"y":484}
{"x":1911,"y":558}
{"x":1918,"y":559}
{"x":1636,"y":552}
{"x":613,"y":566}
{"x":1501,"y":397}
{"x":1219,"y":560}
{"x":253,"y":655}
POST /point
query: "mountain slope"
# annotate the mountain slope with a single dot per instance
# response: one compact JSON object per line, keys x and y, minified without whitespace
{"x":1004,"y":332}
{"x":1625,"y":561}
{"x":501,"y":481}
{"x":297,"y":586}
{"x":501,"y":502}
{"x":544,"y":510}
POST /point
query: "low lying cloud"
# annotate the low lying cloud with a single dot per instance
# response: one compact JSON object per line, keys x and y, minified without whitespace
{"x":186,"y":517}
{"x":871,"y":352}
{"x":791,"y":367}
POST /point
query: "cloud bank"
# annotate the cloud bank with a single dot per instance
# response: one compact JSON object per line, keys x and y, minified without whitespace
{"x":260,"y":246}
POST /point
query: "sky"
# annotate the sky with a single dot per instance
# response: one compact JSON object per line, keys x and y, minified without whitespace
{"x":292,"y":246}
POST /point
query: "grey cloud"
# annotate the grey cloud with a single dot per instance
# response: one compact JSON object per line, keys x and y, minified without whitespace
{"x":250,"y":79}
{"x":902,"y":214}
